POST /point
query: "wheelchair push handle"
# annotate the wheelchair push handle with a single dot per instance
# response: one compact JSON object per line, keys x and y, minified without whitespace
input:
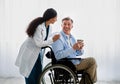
{"x":46,"y":47}
{"x":50,"y":53}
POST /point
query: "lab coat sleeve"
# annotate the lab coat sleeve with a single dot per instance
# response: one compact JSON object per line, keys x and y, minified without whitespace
{"x":40,"y":35}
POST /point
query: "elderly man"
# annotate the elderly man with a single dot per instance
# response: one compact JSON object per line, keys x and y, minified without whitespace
{"x":68,"y":47}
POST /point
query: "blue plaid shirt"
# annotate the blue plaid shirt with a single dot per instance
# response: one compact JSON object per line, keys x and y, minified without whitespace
{"x":62,"y":49}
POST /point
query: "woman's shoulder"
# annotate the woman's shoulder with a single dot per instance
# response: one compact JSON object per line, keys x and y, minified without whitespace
{"x":41,"y":25}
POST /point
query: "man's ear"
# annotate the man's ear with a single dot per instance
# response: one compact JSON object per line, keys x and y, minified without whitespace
{"x":72,"y":26}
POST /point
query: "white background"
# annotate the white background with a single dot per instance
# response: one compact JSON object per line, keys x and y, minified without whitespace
{"x":97,"y":22}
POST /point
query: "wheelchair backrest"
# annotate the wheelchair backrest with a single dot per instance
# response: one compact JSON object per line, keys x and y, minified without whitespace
{"x":64,"y":61}
{"x":51,"y":56}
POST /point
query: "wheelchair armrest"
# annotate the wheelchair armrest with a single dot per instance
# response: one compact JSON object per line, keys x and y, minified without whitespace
{"x":68,"y":59}
{"x":74,"y":58}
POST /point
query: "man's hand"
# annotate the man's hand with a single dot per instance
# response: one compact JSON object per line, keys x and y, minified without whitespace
{"x":78,"y":46}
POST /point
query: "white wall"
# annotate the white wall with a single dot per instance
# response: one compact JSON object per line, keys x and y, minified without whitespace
{"x":95,"y":21}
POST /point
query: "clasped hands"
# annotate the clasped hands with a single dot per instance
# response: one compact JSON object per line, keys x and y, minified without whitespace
{"x":78,"y":45}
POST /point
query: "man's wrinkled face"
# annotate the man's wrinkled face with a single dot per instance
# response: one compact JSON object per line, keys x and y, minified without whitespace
{"x":67,"y":25}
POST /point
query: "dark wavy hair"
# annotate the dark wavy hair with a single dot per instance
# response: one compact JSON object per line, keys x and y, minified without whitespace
{"x":48,"y":14}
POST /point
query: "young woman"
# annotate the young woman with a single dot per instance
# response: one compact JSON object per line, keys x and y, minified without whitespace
{"x":29,"y":59}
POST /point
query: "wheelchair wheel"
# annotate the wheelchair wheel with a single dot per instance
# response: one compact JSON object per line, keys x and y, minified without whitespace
{"x":48,"y":65}
{"x":57,"y":74}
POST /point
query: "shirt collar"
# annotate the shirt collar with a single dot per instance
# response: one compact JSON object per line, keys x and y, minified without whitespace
{"x":65,"y":35}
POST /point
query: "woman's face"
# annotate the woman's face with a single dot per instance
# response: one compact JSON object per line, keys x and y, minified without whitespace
{"x":53,"y":20}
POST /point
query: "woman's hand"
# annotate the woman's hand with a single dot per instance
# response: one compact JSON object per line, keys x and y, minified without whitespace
{"x":56,"y":37}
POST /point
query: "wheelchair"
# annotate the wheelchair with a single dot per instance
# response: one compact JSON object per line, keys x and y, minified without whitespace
{"x":62,"y":71}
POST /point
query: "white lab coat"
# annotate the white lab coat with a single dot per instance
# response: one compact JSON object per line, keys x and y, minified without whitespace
{"x":30,"y":50}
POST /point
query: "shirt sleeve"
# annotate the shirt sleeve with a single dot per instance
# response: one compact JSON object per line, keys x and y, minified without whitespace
{"x":79,"y":52}
{"x":59,"y":50}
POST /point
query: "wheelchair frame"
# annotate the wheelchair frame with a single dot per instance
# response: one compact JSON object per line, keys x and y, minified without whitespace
{"x":60,"y":73}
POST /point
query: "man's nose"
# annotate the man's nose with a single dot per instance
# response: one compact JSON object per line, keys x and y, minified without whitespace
{"x":66,"y":26}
